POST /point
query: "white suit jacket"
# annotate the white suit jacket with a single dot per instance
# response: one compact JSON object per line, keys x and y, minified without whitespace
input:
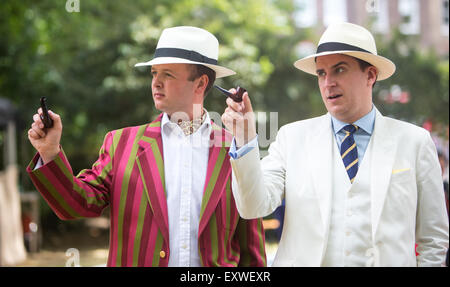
{"x":406,"y":190}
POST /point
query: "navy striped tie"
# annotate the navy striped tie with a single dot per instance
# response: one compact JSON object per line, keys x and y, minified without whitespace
{"x":349,"y":152}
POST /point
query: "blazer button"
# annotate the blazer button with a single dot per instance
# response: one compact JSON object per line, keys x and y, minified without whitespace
{"x":162,"y":254}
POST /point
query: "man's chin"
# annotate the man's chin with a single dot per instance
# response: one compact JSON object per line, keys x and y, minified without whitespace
{"x":160,"y":107}
{"x":336,"y":112}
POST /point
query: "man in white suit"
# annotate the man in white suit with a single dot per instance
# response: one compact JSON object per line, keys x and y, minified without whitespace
{"x":361,"y":189}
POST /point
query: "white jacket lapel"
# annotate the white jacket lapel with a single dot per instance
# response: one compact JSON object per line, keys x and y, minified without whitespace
{"x":382,"y":154}
{"x":321,"y":168}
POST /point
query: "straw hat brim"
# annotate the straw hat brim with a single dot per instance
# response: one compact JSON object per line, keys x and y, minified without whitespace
{"x":384,"y":66}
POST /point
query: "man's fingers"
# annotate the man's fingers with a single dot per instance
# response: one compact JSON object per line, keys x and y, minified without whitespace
{"x":36,"y":117}
{"x":234,"y":105}
{"x":235,"y":116}
{"x":37,"y":120}
{"x":230,"y":122}
{"x":37,"y":129}
{"x":231,"y":117}
{"x":227,"y":119}
{"x":32,"y":134}
{"x":53,"y":116}
{"x":244,"y":107}
{"x":56,"y":119}
{"x":247,"y":103}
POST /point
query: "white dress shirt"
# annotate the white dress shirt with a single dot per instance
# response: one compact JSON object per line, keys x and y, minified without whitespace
{"x":185,"y":165}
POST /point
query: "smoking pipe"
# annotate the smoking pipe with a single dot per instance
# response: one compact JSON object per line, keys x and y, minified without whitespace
{"x":236,"y":97}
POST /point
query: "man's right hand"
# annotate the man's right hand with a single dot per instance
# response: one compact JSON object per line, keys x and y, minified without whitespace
{"x":46,"y":141}
{"x":239,"y":119}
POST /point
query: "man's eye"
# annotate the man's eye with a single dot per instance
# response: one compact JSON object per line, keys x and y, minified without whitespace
{"x":320,"y":73}
{"x":340,"y":70}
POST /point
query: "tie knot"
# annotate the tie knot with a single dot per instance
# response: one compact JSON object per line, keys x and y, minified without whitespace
{"x":351,"y":128}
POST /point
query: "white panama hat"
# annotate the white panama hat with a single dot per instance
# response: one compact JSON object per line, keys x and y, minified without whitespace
{"x":188,"y":45}
{"x":352,"y":40}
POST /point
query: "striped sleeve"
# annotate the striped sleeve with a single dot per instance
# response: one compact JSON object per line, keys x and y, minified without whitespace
{"x":70,"y":197}
{"x":252,"y":243}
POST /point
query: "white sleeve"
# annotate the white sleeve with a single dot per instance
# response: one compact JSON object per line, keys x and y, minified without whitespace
{"x":432,"y":220}
{"x":258,"y":185}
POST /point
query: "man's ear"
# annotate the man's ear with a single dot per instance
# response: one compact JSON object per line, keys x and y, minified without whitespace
{"x":202,"y":84}
{"x":372,"y":75}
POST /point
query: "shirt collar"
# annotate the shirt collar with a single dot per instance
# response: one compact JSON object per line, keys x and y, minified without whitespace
{"x":365,"y":123}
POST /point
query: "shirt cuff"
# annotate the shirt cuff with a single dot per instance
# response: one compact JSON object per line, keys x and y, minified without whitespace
{"x":39,"y":163}
{"x":235,"y":154}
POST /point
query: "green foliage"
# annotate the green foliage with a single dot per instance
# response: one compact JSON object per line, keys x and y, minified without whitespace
{"x":420,"y":73}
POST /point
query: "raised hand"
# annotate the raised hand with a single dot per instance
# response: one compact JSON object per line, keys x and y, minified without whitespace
{"x":46,"y":141}
{"x":239,"y":119}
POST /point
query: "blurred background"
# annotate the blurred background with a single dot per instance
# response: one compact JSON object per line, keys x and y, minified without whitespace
{"x":81,"y":56}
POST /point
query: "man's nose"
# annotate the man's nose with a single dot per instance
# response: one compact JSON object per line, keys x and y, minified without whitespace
{"x":329,"y":81}
{"x":156,"y":82}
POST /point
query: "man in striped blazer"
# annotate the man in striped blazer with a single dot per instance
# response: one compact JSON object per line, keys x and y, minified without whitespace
{"x":168,"y":183}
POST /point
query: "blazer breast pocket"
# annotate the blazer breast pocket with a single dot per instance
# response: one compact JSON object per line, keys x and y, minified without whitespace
{"x":402,"y":195}
{"x":402,"y":175}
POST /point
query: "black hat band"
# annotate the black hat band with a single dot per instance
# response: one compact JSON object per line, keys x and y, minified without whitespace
{"x":336,"y":46}
{"x":184,"y":54}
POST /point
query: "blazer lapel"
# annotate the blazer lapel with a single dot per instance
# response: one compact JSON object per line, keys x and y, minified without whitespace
{"x":321,"y":168}
{"x":382,"y":160}
{"x":151,"y":166}
{"x":217,"y":173}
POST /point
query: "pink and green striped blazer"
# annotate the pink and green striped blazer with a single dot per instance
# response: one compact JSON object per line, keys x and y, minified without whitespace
{"x":129,"y":177}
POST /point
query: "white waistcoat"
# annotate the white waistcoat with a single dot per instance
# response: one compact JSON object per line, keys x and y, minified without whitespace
{"x":350,"y":229}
